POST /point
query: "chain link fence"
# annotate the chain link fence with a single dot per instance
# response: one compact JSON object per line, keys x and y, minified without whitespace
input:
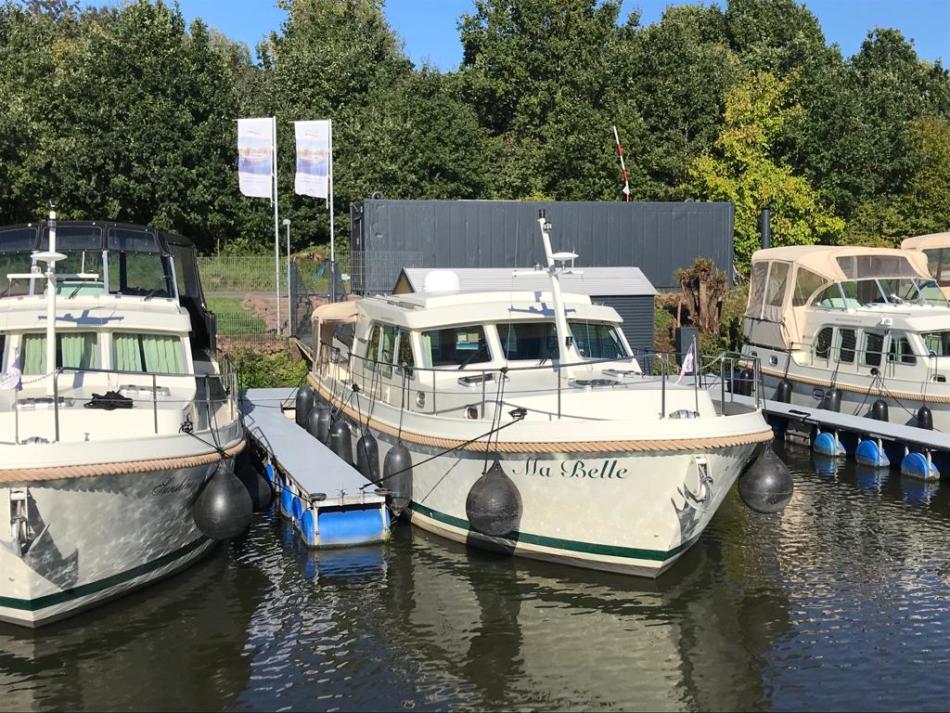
{"x":240,"y":289}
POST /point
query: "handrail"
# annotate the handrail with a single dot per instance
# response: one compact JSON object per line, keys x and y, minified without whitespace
{"x":364,"y":372}
{"x":227,"y":378}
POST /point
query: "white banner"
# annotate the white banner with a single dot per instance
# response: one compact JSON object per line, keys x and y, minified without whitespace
{"x":256,"y":157}
{"x":314,"y":161}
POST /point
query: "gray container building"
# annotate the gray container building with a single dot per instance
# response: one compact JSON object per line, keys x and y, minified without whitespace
{"x":659,"y":238}
{"x":626,"y":289}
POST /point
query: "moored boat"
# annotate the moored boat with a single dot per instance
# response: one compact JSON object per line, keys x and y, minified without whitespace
{"x":844,"y":328}
{"x":522,"y":421}
{"x":115,"y":409}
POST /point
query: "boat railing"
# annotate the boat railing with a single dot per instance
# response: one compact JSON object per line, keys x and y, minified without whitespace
{"x":416,"y":388}
{"x":210,"y":411}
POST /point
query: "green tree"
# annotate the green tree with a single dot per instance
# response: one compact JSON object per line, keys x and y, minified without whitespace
{"x":743,"y":170}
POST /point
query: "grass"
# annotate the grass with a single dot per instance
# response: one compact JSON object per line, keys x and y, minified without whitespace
{"x":234,"y":319}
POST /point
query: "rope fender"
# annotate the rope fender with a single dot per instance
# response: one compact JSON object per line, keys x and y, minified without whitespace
{"x":61,"y":472}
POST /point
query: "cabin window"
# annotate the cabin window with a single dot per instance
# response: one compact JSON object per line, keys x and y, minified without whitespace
{"x":597,"y":341}
{"x":806,"y":284}
{"x":372,"y":349}
{"x":528,"y":340}
{"x":74,"y":350}
{"x":140,"y":274}
{"x":858,"y":267}
{"x":830,"y":298}
{"x":937,"y":343}
{"x":900,"y":351}
{"x":387,"y":349}
{"x":152,"y":353}
{"x":404,"y":351}
{"x":848,"y":341}
{"x":823,"y":343}
{"x":456,"y":346}
{"x":778,"y":278}
{"x":873,"y":347}
{"x":757,"y":291}
{"x":938,"y":260}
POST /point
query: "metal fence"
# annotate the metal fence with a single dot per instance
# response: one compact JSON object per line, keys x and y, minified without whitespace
{"x":240,"y":291}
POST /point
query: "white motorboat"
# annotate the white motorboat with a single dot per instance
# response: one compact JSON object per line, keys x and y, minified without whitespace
{"x":522,"y":421}
{"x":936,"y":246}
{"x":845,"y":327}
{"x":115,"y":411}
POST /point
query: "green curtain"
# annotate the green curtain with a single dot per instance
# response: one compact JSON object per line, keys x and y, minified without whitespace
{"x":126,"y":353}
{"x":162,"y":354}
{"x":34,"y":354}
{"x":78,"y":351}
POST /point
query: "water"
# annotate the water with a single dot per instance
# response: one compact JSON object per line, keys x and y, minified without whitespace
{"x":843,"y":602}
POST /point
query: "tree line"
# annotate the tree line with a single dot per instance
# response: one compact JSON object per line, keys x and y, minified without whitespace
{"x":127,"y":113}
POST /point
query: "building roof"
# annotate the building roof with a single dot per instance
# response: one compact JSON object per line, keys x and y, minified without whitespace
{"x":824,"y":259}
{"x":923,"y":242}
{"x":591,"y":281}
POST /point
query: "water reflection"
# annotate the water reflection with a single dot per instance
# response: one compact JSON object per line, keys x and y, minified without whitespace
{"x":178,"y":644}
{"x":842,"y":601}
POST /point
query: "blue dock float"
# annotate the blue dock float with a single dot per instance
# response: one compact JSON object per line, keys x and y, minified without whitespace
{"x":920,"y":453}
{"x":319,"y":492}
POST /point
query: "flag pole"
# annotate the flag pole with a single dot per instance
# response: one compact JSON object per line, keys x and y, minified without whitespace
{"x":330,"y":206}
{"x":276,"y":225}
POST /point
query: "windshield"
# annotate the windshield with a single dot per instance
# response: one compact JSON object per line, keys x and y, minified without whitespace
{"x":881,"y":291}
{"x":595,"y":340}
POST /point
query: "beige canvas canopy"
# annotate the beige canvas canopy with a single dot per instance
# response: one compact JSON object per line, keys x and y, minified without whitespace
{"x":786,"y":280}
{"x":924,"y":242}
{"x":327,"y":316}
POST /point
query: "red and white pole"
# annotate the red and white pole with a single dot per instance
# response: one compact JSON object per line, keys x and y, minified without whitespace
{"x":623,"y":168}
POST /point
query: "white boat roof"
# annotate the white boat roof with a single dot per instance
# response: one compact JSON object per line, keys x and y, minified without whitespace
{"x":421,"y":311}
{"x":823,"y":259}
{"x":94,"y":312}
{"x":594,"y":281}
{"x":924,"y":242}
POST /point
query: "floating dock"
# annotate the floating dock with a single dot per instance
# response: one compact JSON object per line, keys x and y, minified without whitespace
{"x":322,"y":494}
{"x":920,"y":452}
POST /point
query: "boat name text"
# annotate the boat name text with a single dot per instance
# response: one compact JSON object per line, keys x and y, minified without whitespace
{"x":605,"y":469}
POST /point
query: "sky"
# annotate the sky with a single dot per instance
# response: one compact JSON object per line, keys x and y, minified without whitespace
{"x":429,"y":27}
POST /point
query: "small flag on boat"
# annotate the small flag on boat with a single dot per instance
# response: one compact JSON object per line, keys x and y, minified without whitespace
{"x":12,"y":378}
{"x":688,"y":361}
{"x":314,"y":158}
{"x":256,"y":157}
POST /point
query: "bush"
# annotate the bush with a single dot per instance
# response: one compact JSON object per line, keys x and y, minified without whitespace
{"x":261,"y":370}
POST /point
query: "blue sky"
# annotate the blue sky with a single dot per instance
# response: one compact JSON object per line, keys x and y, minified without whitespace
{"x":428,"y":27}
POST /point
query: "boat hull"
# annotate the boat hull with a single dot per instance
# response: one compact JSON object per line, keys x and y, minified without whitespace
{"x":623,"y":512}
{"x":95,"y":538}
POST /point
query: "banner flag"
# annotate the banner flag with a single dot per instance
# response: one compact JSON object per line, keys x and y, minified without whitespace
{"x":313,"y":158}
{"x":256,"y":157}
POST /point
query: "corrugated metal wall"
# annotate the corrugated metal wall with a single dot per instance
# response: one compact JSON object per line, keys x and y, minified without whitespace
{"x":637,"y":314}
{"x":659,"y":238}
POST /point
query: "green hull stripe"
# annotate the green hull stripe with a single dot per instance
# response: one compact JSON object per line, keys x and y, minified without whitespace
{"x":93,"y":587}
{"x":557,"y":543}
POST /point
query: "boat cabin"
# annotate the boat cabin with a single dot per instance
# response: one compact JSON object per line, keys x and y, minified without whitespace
{"x":844,"y":307}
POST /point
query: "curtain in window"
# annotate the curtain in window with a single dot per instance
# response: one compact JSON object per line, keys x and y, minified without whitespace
{"x":427,"y":350}
{"x":127,"y":356}
{"x":162,"y":354}
{"x":34,"y":354}
{"x":78,"y":351}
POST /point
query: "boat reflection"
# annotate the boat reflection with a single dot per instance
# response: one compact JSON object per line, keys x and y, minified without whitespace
{"x":187,"y":633}
{"x":516,"y":631}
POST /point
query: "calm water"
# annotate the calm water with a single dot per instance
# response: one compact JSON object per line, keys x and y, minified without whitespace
{"x":843,"y":602}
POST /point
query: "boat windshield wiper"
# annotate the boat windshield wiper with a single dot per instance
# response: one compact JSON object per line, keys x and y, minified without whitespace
{"x":471,"y":357}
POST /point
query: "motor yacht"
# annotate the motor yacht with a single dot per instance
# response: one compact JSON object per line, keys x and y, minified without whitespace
{"x":522,"y":420}
{"x":845,"y":327}
{"x":115,"y":408}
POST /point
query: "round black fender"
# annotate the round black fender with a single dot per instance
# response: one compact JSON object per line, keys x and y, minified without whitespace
{"x":493,"y":506}
{"x":341,"y":440}
{"x":766,"y":486}
{"x":367,"y":457}
{"x":304,"y":402}
{"x":224,"y":508}
{"x":397,"y":477}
